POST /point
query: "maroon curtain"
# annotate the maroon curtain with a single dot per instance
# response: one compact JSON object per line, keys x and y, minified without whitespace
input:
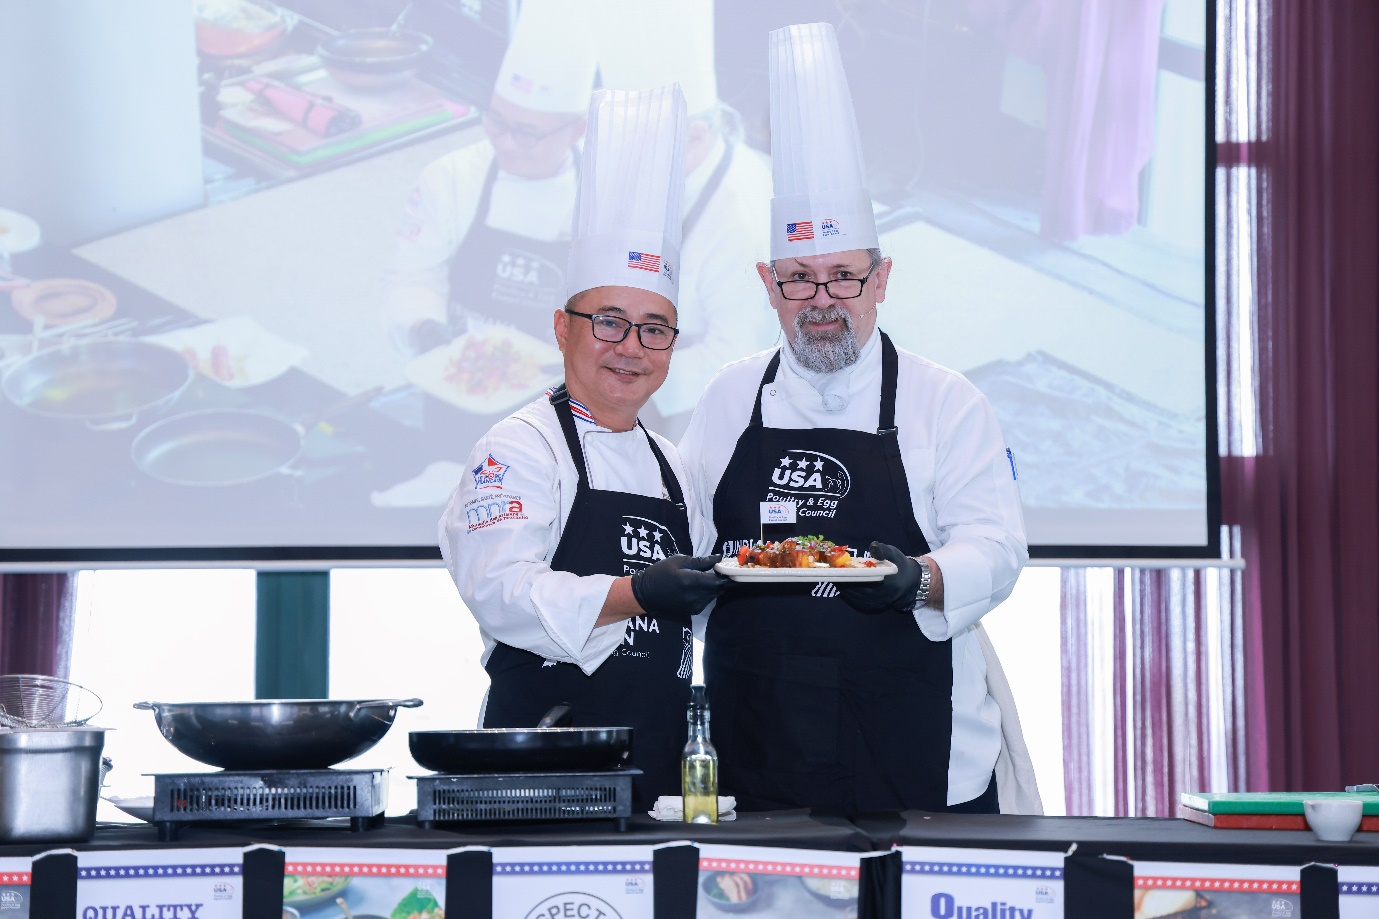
{"x":1304,"y":150}
{"x":36,"y":615}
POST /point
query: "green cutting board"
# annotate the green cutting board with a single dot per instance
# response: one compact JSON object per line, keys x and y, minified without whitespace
{"x":1272,"y":802}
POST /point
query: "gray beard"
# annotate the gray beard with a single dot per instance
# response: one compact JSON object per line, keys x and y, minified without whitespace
{"x":827,"y":352}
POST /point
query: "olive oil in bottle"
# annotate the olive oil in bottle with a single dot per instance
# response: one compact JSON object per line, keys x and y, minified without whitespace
{"x":699,"y":764}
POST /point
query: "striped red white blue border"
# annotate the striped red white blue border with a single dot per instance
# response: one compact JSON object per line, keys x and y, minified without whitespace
{"x":353,"y":869}
{"x":144,"y":872}
{"x":616,"y":867}
{"x":1235,"y":885}
{"x":1040,"y":872}
{"x":793,"y":869}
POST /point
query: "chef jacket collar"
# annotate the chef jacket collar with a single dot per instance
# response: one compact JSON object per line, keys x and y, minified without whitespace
{"x":565,"y":169}
{"x":834,"y":389}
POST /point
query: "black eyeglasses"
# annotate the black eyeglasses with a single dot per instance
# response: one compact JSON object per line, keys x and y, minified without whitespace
{"x":838,"y":288}
{"x":654,"y":336}
{"x":524,"y":137}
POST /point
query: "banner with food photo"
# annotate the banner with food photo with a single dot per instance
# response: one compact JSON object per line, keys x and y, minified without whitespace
{"x":16,"y":876}
{"x":325,"y":883}
{"x":205,"y":883}
{"x":947,"y":883}
{"x":786,"y":883}
{"x":582,"y":882}
{"x":1359,"y":890}
{"x":1189,"y":891}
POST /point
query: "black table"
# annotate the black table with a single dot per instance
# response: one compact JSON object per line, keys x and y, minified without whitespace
{"x":1094,"y":885}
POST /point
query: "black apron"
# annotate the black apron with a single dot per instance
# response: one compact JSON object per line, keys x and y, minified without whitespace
{"x":645,"y":683}
{"x":506,"y":278}
{"x":814,"y":703}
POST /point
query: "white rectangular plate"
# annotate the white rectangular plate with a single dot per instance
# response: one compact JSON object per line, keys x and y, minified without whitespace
{"x":729,"y":568}
{"x":429,"y":372}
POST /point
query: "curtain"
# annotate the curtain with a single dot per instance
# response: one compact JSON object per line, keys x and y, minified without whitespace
{"x":1298,"y":351}
{"x":1153,"y":696}
{"x":1302,"y":151}
{"x":36,"y":617}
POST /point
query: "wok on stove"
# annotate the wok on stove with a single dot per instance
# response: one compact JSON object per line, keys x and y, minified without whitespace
{"x":275,"y":734}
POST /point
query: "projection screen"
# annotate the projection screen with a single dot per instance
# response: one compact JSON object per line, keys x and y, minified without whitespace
{"x":268,"y":270}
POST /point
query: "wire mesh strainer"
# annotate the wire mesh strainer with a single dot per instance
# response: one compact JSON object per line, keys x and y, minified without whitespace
{"x":31,"y":701}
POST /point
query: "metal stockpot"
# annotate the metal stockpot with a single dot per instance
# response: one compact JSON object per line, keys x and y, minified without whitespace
{"x":49,"y":784}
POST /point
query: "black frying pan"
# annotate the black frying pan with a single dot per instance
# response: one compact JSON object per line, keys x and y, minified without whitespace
{"x":540,"y":749}
{"x":226,"y":446}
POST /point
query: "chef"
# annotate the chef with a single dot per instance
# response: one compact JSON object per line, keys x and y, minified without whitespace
{"x":869,"y":697}
{"x":486,"y":230}
{"x":569,"y":539}
{"x":724,"y":313}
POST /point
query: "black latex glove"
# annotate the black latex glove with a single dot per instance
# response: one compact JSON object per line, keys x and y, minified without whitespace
{"x":679,"y":586}
{"x":429,"y":334}
{"x":895,"y":591}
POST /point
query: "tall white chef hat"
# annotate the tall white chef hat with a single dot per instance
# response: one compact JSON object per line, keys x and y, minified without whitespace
{"x":550,"y":64}
{"x":821,"y":203}
{"x":631,"y":193}
{"x":679,"y":49}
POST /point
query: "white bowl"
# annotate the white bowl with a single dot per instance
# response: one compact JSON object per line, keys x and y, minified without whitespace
{"x":1334,"y":820}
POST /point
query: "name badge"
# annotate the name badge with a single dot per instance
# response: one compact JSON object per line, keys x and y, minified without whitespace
{"x":777,"y":512}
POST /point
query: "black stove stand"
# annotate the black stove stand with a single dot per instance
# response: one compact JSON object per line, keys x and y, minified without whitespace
{"x":221,"y":797}
{"x":526,"y":796}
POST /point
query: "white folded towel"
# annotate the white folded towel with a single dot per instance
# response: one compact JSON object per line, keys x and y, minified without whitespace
{"x":672,"y":807}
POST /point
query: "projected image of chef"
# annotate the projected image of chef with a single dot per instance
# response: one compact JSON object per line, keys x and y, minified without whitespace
{"x":723,"y":310}
{"x":486,"y":230}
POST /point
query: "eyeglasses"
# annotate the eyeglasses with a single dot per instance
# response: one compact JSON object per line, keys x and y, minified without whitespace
{"x":654,"y":336}
{"x":838,"y":288}
{"x":523,"y":137}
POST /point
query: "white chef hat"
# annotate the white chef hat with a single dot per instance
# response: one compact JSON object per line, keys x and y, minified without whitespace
{"x":550,"y":64}
{"x":679,"y":49}
{"x":821,"y":203}
{"x":631,"y":193}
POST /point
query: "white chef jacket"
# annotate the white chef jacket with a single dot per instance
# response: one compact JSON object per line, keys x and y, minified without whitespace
{"x":962,"y":488}
{"x":440,"y":210}
{"x":498,"y":540}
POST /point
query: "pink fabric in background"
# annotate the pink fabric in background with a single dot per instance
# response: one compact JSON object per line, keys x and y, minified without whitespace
{"x":1101,"y":60}
{"x":36,"y":616}
{"x":1163,"y":681}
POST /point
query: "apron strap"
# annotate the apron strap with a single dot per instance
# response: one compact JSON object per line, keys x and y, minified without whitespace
{"x":711,"y":186}
{"x":486,"y":195}
{"x":668,"y":479}
{"x":766,"y":377}
{"x":560,"y":401}
{"x":890,"y":373}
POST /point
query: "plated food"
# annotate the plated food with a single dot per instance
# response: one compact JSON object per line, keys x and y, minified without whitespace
{"x":64,"y":301}
{"x":235,"y":352}
{"x":731,"y":891}
{"x":1168,"y":904}
{"x":484,"y":366}
{"x":418,"y":904}
{"x":802,"y":558}
{"x":801,"y":552}
{"x":308,"y":889}
{"x":487,"y":371}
